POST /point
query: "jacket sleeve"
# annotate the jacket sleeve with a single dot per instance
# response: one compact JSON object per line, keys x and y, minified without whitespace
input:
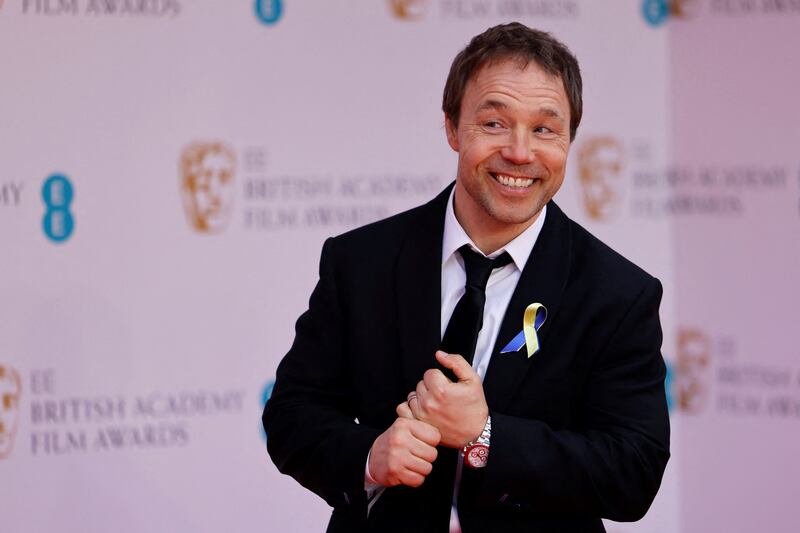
{"x":312,"y":434}
{"x":612,"y":465}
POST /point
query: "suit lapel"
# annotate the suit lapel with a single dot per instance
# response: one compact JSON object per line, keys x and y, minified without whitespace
{"x":419,"y":281}
{"x":542,"y":280}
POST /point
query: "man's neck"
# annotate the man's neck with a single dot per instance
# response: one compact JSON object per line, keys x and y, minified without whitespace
{"x":488,"y":233}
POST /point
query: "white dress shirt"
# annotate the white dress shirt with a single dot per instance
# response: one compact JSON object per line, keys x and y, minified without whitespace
{"x":499,"y":289}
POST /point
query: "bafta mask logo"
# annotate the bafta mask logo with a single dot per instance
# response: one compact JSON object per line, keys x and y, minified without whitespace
{"x":408,"y":9}
{"x":600,"y":165}
{"x":207,"y":178}
{"x":684,"y":8}
{"x":692,"y":370}
{"x":10,"y":391}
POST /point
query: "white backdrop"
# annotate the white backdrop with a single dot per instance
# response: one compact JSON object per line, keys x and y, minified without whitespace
{"x":143,"y":315}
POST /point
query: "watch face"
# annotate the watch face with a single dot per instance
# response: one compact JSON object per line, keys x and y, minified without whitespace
{"x":476,"y":456}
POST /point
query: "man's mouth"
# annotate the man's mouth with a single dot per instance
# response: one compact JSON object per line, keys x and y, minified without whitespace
{"x":510,"y":181}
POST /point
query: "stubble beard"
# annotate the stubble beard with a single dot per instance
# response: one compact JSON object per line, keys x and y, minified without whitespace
{"x":510,"y":216}
{"x":506,"y":213}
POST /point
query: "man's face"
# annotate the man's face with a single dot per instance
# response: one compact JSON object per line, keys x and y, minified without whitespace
{"x":512,"y":141}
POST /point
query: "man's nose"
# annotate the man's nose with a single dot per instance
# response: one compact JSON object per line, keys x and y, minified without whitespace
{"x":519,"y":148}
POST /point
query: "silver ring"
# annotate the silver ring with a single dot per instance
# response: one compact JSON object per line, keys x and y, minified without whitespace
{"x":411,"y":396}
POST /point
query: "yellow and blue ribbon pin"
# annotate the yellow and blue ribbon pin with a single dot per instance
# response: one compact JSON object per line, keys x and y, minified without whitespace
{"x":535,"y":315}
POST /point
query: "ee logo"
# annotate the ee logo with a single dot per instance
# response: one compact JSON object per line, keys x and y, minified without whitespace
{"x":268,"y":11}
{"x":58,"y":221}
{"x":656,"y":12}
{"x":668,"y":384}
{"x":265,"y":395}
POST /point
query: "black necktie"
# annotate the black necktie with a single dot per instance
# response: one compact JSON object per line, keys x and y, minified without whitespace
{"x":461,"y":334}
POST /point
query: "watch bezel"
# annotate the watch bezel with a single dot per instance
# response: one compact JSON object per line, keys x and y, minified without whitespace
{"x":476,"y":455}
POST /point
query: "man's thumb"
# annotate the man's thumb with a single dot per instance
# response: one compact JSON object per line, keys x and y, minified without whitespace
{"x":460,"y":367}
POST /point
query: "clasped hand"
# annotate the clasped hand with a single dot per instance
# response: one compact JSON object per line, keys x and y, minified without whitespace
{"x":438,"y":411}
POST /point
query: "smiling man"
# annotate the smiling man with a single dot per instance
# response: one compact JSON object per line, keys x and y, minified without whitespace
{"x":481,"y":362}
{"x":512,"y":135}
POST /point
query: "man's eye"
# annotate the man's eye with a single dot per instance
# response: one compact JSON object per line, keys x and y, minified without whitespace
{"x":492,"y":124}
{"x":542,"y":129}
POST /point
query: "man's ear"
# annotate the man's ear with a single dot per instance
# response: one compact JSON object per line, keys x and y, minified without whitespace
{"x":452,"y":133}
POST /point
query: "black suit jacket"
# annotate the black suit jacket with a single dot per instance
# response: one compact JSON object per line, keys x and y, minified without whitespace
{"x":580,"y":430}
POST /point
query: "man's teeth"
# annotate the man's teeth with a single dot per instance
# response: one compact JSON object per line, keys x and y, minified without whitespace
{"x":514,"y":182}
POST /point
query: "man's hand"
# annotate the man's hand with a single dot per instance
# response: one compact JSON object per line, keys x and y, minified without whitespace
{"x":404,"y":453}
{"x":458,"y":410}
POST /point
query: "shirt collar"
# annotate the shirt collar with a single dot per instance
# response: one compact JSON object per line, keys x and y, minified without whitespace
{"x":519,"y":248}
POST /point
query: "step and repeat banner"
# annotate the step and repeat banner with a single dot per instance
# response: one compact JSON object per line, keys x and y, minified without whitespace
{"x":170,"y":169}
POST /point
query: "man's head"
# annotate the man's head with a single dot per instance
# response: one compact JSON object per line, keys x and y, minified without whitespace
{"x":512,"y":105}
{"x":207,"y":172}
{"x":10,"y":390}
{"x":524,"y":45}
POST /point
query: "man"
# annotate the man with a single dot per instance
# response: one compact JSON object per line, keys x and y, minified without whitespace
{"x":560,"y":429}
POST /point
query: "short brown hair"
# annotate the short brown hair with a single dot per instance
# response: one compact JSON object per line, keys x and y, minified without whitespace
{"x":514,"y":41}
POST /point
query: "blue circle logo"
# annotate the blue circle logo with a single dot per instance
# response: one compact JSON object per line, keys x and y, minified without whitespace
{"x":268,"y":11}
{"x":265,"y":394}
{"x":655,"y":12}
{"x":668,"y":385}
{"x":58,"y":222}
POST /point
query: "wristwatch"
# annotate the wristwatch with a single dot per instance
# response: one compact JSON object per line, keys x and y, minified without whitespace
{"x":476,"y":453}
